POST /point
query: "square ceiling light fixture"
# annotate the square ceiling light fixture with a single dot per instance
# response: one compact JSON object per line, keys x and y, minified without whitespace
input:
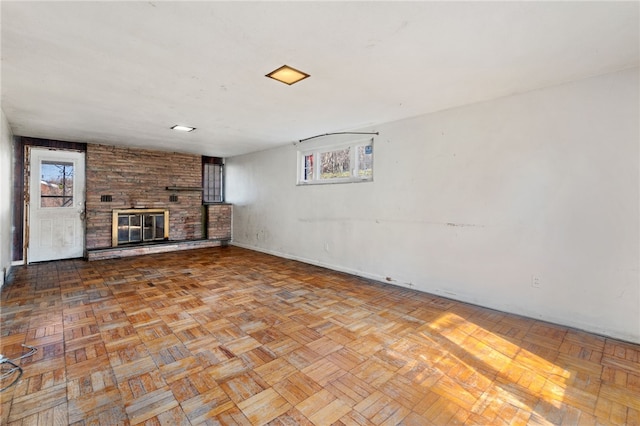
{"x":183,"y":128}
{"x":287,"y":75}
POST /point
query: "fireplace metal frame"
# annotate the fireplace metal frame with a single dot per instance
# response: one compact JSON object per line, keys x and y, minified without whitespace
{"x":114,"y":221}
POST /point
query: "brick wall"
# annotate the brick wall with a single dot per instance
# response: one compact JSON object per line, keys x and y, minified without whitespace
{"x":137,"y":178}
{"x":219,"y":221}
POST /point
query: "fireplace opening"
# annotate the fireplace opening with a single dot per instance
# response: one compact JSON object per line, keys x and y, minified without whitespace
{"x":136,"y":226}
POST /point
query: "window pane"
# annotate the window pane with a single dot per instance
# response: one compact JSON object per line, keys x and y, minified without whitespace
{"x":335,"y":164}
{"x":308,"y":167}
{"x":208,"y":182}
{"x":365,"y":161}
{"x":56,"y":184}
{"x":217,"y":181}
{"x":212,"y":183}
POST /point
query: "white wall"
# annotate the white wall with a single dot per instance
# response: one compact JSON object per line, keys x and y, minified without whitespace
{"x":6,"y":188}
{"x":472,"y":202}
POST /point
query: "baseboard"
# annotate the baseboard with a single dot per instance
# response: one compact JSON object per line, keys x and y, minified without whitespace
{"x":314,"y":262}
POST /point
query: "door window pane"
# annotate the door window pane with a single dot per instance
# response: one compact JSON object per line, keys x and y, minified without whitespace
{"x":56,"y":184}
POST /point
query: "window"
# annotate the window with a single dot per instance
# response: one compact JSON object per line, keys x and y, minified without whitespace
{"x":337,"y":164}
{"x":56,"y":184}
{"x":212,"y":180}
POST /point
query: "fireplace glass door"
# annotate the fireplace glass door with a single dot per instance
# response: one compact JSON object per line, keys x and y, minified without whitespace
{"x":140,"y":226}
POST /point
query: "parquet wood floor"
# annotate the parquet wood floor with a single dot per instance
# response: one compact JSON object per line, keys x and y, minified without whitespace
{"x":229,"y":336}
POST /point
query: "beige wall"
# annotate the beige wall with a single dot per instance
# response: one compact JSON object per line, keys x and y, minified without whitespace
{"x":527,"y":204}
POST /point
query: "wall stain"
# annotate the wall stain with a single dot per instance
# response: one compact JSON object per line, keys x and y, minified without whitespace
{"x":464,"y":225}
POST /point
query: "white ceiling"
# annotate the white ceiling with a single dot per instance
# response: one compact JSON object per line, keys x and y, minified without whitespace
{"x":122,"y":73}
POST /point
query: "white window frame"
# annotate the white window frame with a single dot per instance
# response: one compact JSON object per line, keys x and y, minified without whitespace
{"x":318,"y":151}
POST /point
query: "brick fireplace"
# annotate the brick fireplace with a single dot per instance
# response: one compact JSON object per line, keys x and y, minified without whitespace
{"x":151,"y":192}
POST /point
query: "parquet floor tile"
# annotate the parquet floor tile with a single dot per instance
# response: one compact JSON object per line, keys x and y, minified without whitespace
{"x":228,"y":336}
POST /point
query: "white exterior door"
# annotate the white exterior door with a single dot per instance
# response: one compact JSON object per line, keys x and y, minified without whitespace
{"x":56,"y":205}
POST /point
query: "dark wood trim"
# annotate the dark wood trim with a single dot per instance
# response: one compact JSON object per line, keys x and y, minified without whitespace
{"x":18,"y":197}
{"x":20,"y":143}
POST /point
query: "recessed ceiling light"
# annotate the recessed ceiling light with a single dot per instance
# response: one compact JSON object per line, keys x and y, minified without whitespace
{"x":183,"y":128}
{"x":287,"y":75}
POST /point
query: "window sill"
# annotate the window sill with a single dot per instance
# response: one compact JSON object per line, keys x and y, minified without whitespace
{"x":334,"y":182}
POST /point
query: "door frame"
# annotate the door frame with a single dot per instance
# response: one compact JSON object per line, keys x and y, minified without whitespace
{"x":27,"y":167}
{"x":18,"y":217}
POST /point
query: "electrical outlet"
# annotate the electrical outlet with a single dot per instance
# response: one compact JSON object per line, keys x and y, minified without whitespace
{"x":535,"y":281}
